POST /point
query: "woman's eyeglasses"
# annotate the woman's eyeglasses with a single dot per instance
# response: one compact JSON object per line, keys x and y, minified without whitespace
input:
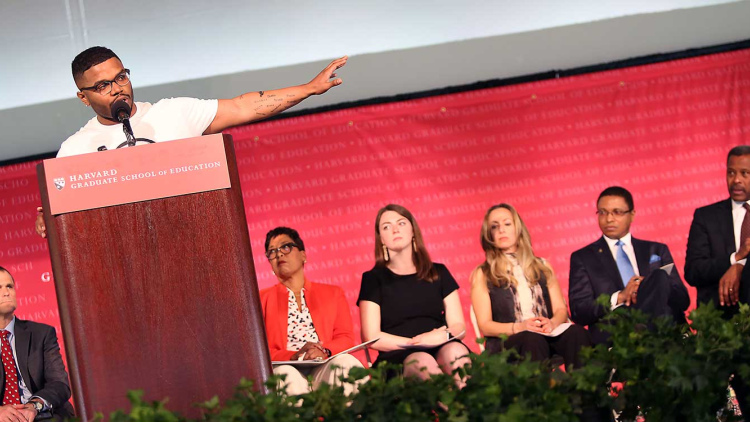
{"x":285,"y":248}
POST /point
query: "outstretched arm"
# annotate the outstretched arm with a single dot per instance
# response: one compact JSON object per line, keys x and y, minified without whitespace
{"x":259,"y":105}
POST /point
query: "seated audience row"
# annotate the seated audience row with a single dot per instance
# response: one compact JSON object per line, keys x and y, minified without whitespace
{"x":411,"y":304}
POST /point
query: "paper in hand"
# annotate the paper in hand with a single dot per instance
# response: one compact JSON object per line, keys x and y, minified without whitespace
{"x":559,"y":330}
{"x":668,"y":268}
{"x":322,"y":361}
{"x":422,"y":346}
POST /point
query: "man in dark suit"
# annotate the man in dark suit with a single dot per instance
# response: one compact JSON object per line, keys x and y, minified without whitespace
{"x":33,"y":378}
{"x":718,"y":247}
{"x":624,"y":268}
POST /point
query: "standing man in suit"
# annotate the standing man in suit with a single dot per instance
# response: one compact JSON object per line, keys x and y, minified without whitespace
{"x":719,"y":240}
{"x":33,"y":378}
{"x":718,"y":247}
{"x":624,"y":268}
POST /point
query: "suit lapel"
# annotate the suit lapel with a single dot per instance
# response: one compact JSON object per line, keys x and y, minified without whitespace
{"x":23,"y":343}
{"x":603,"y":253}
{"x":725,"y":221}
{"x":642,"y":256}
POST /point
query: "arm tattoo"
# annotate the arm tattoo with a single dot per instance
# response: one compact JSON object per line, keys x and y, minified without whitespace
{"x":261,"y":93}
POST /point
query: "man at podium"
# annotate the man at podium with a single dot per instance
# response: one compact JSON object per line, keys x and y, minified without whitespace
{"x":34,"y":381}
{"x":103,"y":80}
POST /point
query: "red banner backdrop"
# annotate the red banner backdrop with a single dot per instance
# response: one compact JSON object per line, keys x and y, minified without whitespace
{"x":548,"y":148}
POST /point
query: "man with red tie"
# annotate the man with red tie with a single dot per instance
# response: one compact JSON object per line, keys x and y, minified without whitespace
{"x":34,"y":382}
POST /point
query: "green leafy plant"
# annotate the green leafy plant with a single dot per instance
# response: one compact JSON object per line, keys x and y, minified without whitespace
{"x":667,"y":372}
{"x":523,"y":391}
{"x":144,"y":411}
{"x":671,"y":372}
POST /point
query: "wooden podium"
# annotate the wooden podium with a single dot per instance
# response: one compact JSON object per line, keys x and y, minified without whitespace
{"x":156,"y":294}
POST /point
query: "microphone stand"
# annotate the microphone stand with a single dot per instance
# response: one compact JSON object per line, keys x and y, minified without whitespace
{"x":128,"y":132}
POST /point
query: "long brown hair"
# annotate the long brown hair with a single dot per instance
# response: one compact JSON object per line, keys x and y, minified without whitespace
{"x":498,"y":268}
{"x":421,"y":258}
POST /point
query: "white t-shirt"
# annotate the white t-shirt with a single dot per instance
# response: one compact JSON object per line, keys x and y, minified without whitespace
{"x":167,"y":120}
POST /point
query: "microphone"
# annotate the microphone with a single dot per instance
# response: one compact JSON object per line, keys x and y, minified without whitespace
{"x":120,"y":110}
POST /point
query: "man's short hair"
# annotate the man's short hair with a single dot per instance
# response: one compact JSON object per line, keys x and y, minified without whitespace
{"x":278,"y":231}
{"x":90,"y":57}
{"x":3,"y":270}
{"x":618,"y":191}
{"x":738,"y":151}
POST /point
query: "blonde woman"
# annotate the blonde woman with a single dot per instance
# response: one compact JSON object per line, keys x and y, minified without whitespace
{"x":515,"y":293}
{"x":410,"y":303}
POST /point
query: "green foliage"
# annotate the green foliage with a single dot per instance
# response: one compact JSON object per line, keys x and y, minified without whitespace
{"x":672,"y":372}
{"x":498,"y":390}
{"x":396,"y":399}
{"x":667,"y":372}
{"x":144,"y":411}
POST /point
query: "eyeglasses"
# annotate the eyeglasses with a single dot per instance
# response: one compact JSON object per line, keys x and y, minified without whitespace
{"x":615,"y":212}
{"x":285,"y":248}
{"x":105,"y":87}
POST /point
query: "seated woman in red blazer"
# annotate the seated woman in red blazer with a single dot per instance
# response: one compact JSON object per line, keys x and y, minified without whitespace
{"x":304,"y":320}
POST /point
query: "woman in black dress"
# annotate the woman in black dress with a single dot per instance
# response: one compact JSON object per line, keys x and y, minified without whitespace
{"x":410,"y":303}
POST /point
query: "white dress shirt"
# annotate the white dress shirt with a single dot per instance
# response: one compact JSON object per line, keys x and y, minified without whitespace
{"x":738,"y":215}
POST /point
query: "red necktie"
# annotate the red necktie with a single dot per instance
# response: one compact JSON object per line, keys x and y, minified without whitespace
{"x":745,"y":228}
{"x":11,"y":395}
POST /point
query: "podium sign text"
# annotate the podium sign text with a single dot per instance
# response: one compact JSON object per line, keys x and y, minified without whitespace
{"x":135,"y":174}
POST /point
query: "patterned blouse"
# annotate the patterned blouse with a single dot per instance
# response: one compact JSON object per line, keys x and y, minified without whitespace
{"x":300,"y":328}
{"x":529,"y":300}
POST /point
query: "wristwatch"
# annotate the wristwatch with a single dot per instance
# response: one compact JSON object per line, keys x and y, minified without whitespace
{"x":38,"y":406}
